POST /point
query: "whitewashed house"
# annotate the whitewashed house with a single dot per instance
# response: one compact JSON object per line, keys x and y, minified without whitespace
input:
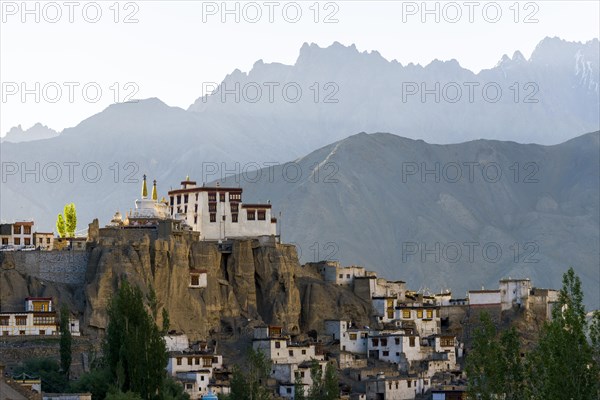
{"x":219,"y":213}
{"x":514,"y":292}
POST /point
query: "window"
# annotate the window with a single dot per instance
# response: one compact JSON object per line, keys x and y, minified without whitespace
{"x":341,"y":276}
{"x":17,"y":229}
{"x":17,"y":241}
{"x":47,"y":240}
{"x":222,"y":197}
{"x":194,"y":280}
{"x":405,"y":313}
{"x":195,"y":219}
{"x":251,"y":215}
{"x":21,"y":332}
{"x":234,"y":207}
{"x":212,"y":207}
{"x":234,"y":218}
{"x":43,"y":320}
{"x":185,"y":198}
{"x":235,"y":196}
{"x":396,"y":385}
{"x":384,"y":342}
{"x":212,"y":197}
{"x":213,"y":217}
{"x":347,"y":276}
{"x":4,"y":320}
{"x":375,"y":342}
{"x":185,"y":209}
{"x":288,"y":390}
{"x":411,"y":341}
{"x":4,"y":240}
{"x":397,"y":340}
{"x":27,"y":230}
{"x":42,"y":332}
{"x":190,"y":361}
{"x":419,"y":313}
{"x":425,"y":382}
{"x":27,"y":241}
{"x":261,"y":215}
{"x":21,"y":320}
{"x":291,"y":352}
{"x":277,"y":345}
{"x":386,"y":353}
{"x":429,"y":313}
{"x":172,"y":201}
{"x":353,"y":336}
{"x":408,"y":382}
{"x":178,"y":360}
{"x":178,"y":199}
{"x":303,"y":352}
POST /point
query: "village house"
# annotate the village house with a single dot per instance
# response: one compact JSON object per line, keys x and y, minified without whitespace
{"x":17,"y":235}
{"x":194,"y":369}
{"x":425,"y":317}
{"x":352,"y":339}
{"x":514,"y":292}
{"x":43,"y":240}
{"x":39,"y":318}
{"x":396,"y":388}
{"x":484,"y":298}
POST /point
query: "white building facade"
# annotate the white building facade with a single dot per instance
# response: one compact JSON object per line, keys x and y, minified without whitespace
{"x":219,"y":213}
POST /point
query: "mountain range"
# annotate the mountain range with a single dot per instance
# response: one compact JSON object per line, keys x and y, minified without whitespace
{"x":369,"y":212}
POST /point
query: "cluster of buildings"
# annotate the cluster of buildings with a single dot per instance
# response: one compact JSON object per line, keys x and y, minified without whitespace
{"x":19,"y":236}
{"x":213,"y":212}
{"x":407,"y":354}
{"x":197,"y":367}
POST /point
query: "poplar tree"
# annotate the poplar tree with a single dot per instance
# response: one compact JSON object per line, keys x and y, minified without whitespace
{"x":134,"y":349}
{"x":60,"y":226}
{"x":562,"y":366}
{"x":66,"y":341}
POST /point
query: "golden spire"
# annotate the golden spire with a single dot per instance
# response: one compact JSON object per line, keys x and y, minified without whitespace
{"x":144,"y":189}
{"x":154,"y":194}
{"x":187,"y":178}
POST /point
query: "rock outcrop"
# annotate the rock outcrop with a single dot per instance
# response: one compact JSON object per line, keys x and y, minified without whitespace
{"x":249,"y":282}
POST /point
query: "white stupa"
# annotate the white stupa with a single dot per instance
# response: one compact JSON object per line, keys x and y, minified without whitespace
{"x":148,"y":210}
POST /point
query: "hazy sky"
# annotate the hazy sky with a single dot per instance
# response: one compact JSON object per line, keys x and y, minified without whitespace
{"x":168,"y":49}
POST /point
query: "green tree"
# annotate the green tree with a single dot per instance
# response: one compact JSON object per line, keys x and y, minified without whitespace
{"x":60,"y":226}
{"x":482,"y":368}
{"x":70,"y":219}
{"x":299,"y":388}
{"x":249,"y":383}
{"x":173,"y":390}
{"x":65,"y":341}
{"x":316,"y":374}
{"x":165,"y":321}
{"x":118,"y":395}
{"x":134,"y":348}
{"x":562,"y":365}
{"x":331,"y":387}
{"x":95,"y":382}
{"x":48,"y":370}
{"x":595,"y":336}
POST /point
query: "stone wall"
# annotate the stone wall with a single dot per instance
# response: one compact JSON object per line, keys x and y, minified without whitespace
{"x":52,"y":266}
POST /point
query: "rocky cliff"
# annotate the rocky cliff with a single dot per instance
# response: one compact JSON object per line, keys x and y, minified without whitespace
{"x":250,"y":283}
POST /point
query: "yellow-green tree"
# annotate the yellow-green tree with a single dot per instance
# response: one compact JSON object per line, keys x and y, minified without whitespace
{"x":66,"y":223}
